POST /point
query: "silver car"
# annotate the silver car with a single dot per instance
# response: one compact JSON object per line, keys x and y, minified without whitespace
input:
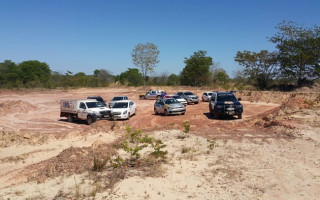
{"x":189,"y":96}
{"x":115,"y":99}
{"x":169,"y":106}
{"x":206,"y":96}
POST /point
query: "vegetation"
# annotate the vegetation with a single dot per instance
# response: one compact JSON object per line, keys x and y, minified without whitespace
{"x":145,"y":57}
{"x":196,"y":71}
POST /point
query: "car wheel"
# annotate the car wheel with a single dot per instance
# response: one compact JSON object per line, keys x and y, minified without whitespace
{"x":135,"y":111}
{"x":155,"y":111}
{"x":240,"y":116}
{"x":89,"y":120}
{"x":70,"y":118}
{"x":215,"y":115}
{"x":183,"y":113}
{"x":202,"y":99}
{"x":166,"y":112}
{"x":128,"y":116}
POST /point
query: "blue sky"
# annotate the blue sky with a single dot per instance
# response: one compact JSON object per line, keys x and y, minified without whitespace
{"x":82,"y":36}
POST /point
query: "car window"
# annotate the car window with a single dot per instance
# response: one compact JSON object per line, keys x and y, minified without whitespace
{"x":171,"y":101}
{"x":205,"y":94}
{"x":82,"y":106}
{"x":188,"y":93}
{"x":94,"y":104}
{"x":226,"y":97}
{"x":120,"y":105}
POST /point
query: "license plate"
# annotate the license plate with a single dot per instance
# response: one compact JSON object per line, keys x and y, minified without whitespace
{"x":231,"y":112}
{"x":230,"y":108}
{"x":106,"y":116}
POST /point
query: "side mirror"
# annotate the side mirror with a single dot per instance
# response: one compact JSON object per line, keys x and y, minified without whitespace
{"x":239,"y":99}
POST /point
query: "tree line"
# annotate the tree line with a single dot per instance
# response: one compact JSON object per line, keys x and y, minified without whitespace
{"x":295,"y":62}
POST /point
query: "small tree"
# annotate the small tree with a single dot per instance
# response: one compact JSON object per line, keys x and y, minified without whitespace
{"x":145,"y":57}
{"x":260,"y":67}
{"x":132,"y":77}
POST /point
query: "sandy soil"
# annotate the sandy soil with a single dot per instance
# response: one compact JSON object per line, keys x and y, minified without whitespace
{"x":272,"y":153}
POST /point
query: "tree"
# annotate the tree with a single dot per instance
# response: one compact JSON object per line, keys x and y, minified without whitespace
{"x":220,"y":76}
{"x":145,"y":57}
{"x":132,"y":77}
{"x":260,"y":67}
{"x":299,"y":50}
{"x":9,"y":73}
{"x":35,"y":73}
{"x":173,"y":80}
{"x":196,"y":72}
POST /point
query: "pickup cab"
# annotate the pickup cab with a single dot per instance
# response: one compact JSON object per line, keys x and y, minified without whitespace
{"x":88,"y":110}
{"x":152,"y":94}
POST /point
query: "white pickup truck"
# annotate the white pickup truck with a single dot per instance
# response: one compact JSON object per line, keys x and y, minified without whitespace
{"x":89,"y":110}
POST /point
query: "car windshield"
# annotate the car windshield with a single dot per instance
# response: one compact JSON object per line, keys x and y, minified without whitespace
{"x":210,"y":94}
{"x":120,"y":105}
{"x":188,"y":93}
{"x":226,"y":97}
{"x":117,"y":98}
{"x":171,"y":101}
{"x":94,"y":104}
{"x":177,"y":97}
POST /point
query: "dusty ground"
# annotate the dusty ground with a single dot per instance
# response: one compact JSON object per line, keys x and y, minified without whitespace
{"x":272,"y":153}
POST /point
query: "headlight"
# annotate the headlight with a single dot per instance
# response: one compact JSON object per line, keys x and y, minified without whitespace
{"x":124,"y":112}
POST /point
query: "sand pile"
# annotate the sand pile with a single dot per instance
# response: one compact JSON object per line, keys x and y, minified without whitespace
{"x":16,"y":107}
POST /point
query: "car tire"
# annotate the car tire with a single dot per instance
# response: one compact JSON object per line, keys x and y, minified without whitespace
{"x":166,"y":112}
{"x":128,"y":115}
{"x":70,"y":118}
{"x":196,"y":102}
{"x":202,"y":99}
{"x":240,"y":116}
{"x":183,"y":113}
{"x":155,"y":111}
{"x":89,"y":120}
{"x":215,"y":115}
{"x":135,"y":111}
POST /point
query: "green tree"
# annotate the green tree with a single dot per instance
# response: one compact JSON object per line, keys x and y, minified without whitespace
{"x":259,"y":67}
{"x":299,"y":50}
{"x":220,"y":76}
{"x":132,"y":77}
{"x":10,"y":74}
{"x":173,"y":80}
{"x":196,"y":71}
{"x":35,"y":73}
{"x":145,"y":57}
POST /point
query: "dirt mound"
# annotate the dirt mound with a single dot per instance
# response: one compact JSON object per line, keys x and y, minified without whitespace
{"x":74,"y":160}
{"x":16,"y":107}
{"x":279,"y":115}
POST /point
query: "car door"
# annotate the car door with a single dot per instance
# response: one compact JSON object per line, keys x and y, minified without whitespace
{"x":132,"y":107}
{"x":158,"y":105}
{"x":82,"y":111}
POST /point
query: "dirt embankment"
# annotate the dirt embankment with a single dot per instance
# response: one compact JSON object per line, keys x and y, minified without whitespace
{"x":277,"y":97}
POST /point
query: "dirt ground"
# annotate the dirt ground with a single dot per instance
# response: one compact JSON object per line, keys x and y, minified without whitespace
{"x":272,"y":153}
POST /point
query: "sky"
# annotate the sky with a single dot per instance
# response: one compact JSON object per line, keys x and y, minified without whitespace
{"x":81,"y":36}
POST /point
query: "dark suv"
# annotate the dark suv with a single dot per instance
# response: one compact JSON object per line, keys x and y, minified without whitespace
{"x":98,"y":98}
{"x":225,"y":103}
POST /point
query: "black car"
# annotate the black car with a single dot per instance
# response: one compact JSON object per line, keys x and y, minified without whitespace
{"x":225,"y":103}
{"x":98,"y":98}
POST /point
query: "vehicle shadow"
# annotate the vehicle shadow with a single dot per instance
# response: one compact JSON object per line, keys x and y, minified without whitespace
{"x":74,"y":121}
{"x":222,"y":117}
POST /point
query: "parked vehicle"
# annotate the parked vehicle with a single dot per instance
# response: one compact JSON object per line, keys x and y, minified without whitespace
{"x":116,"y":99}
{"x":123,"y":109}
{"x":98,"y":98}
{"x":152,"y":94}
{"x":89,"y":110}
{"x":169,"y":106}
{"x":206,"y":96}
{"x":178,"y":98}
{"x":189,"y":97}
{"x":225,"y":103}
